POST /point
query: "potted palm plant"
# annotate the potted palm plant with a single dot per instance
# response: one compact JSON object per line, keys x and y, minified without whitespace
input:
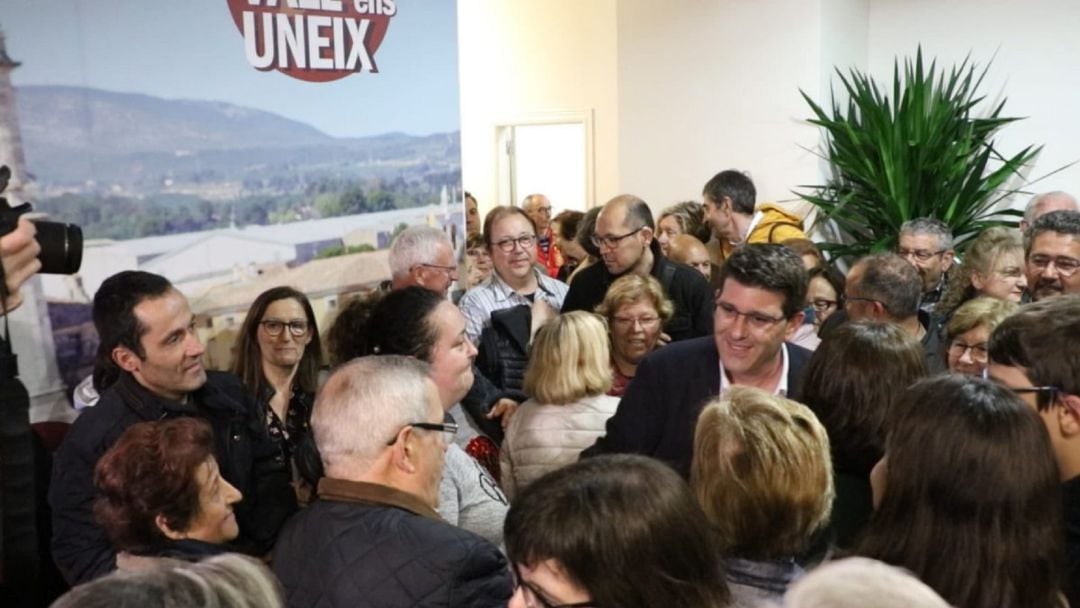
{"x":920,"y":152}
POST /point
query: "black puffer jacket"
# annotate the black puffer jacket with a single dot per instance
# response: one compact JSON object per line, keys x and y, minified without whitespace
{"x":363,"y":544}
{"x":503,"y":352}
{"x":248,"y":459}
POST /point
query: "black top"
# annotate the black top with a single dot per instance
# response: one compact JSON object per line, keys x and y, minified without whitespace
{"x":246,"y":457}
{"x":1070,"y":491}
{"x":687,"y":288}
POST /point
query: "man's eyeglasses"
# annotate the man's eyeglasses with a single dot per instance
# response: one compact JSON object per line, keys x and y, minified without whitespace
{"x":611,"y":242}
{"x":1045,"y":396}
{"x":921,"y":255}
{"x":978,"y":351}
{"x":448,"y":429}
{"x":274,"y":327}
{"x":534,"y":599}
{"x":757,"y":321}
{"x":524,"y":241}
{"x":1065,"y":266}
{"x":450,"y":271}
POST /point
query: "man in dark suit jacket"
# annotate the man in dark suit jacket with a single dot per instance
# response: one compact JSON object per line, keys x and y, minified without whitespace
{"x":759,"y":307}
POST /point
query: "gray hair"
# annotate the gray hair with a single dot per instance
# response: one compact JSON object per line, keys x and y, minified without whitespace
{"x":889,"y":279}
{"x":416,"y":245}
{"x":1037,"y":201}
{"x":929,"y":225}
{"x":222,"y":581}
{"x":363,"y":404}
{"x":858,"y":581}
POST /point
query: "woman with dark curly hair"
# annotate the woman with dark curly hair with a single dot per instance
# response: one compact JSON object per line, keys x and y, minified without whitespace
{"x":160,"y":493}
{"x":278,"y":356}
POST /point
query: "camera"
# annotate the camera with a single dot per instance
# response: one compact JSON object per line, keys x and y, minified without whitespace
{"x":61,"y":244}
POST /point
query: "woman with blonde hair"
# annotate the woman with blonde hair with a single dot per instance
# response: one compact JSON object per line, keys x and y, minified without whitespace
{"x":763,"y":476}
{"x":636,"y":309}
{"x":687,"y":217}
{"x":993,"y":266}
{"x":969,"y":330}
{"x":567,"y":409}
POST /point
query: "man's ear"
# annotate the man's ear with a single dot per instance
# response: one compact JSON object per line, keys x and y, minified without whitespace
{"x":947,"y":259}
{"x":647,"y":234}
{"x":126,"y":359}
{"x":163,"y":525}
{"x":404,"y":455}
{"x":793,"y":324}
{"x":1068,"y":416}
{"x":879,"y":310}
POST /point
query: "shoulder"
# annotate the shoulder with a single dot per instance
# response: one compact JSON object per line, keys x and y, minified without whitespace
{"x":797,"y":355}
{"x":683,"y":350}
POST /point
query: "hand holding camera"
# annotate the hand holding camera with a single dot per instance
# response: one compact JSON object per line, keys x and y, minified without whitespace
{"x":19,"y":253}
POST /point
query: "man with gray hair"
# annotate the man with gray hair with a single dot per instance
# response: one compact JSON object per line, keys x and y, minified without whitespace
{"x":538,"y":208}
{"x":421,"y":255}
{"x":373,"y":536}
{"x":884,"y":287}
{"x":1044,"y":203}
{"x":927,"y":244}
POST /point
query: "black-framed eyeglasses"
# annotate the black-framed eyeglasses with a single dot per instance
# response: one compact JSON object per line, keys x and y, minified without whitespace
{"x":757,"y":321}
{"x":921,"y":255}
{"x":448,"y":429}
{"x":274,"y":327}
{"x":1065,"y":265}
{"x":450,"y":271}
{"x":611,"y":242}
{"x":1044,"y":395}
{"x":534,"y":599}
{"x":524,"y":241}
{"x":823,"y":305}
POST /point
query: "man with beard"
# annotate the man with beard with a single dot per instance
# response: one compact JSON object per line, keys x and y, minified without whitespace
{"x":1053,"y":255}
{"x":927,"y":244}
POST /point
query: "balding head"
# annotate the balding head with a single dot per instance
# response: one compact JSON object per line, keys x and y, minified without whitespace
{"x":422,"y":256}
{"x":365,"y":403}
{"x":885,"y":287}
{"x":686,"y":249}
{"x":538,"y":208}
{"x":1044,"y":203}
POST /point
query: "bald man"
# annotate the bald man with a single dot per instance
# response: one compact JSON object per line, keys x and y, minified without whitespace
{"x":687,"y":249}
{"x":624,"y":234}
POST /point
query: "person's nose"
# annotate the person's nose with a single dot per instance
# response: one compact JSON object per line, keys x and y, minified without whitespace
{"x":472,"y":348}
{"x":232,"y":495}
{"x":965,"y":357}
{"x":739,"y":328}
{"x":195,"y":346}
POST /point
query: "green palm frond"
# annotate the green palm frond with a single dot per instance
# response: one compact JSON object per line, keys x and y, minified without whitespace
{"x":915,"y":149}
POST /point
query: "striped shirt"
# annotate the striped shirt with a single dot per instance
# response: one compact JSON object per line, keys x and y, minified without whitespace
{"x":493,"y":294}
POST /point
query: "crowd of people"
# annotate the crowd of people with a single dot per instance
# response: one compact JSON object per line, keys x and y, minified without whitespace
{"x":600,"y":409}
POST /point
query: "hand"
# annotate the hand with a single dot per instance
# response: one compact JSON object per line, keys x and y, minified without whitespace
{"x":19,"y":250}
{"x":662,"y":340}
{"x":504,"y":408}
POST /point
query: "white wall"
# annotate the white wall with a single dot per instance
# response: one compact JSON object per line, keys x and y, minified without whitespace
{"x":520,"y":58}
{"x":1037,"y":66}
{"x":709,"y":85}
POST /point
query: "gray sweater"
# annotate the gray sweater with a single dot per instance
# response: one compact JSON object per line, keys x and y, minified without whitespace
{"x":469,"y":498}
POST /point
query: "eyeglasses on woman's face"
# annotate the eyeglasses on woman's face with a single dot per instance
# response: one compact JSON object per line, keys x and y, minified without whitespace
{"x":274,"y":327}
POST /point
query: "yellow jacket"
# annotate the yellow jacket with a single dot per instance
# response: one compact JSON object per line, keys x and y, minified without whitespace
{"x":775,"y":226}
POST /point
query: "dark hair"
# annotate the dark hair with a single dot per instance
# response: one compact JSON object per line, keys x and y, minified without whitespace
{"x":248,"y":364}
{"x":850,"y":383}
{"x":115,"y":319}
{"x":772,"y":267}
{"x":347,"y":337}
{"x":1042,"y":338}
{"x":568,"y":222}
{"x":624,"y":527}
{"x":498,"y":213}
{"x":400,"y":324}
{"x":1061,"y":222}
{"x":151,"y":471}
{"x":835,"y":279}
{"x":735,"y":185}
{"x":972,"y":501}
{"x":586,"y":228}
{"x":889,"y":279}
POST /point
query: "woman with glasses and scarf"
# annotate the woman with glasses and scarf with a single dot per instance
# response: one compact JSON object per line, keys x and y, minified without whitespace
{"x":278,"y":357}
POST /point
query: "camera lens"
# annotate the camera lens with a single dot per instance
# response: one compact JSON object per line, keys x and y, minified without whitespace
{"x":61,"y":247}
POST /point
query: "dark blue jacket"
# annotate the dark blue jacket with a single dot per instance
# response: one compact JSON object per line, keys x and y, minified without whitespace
{"x":363,"y":544}
{"x":659,"y":411}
